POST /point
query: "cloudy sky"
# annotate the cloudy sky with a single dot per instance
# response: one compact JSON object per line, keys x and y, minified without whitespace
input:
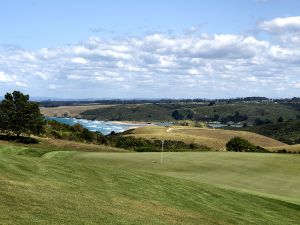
{"x":150,"y":49}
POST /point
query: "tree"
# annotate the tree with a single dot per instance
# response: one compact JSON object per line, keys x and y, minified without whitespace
{"x":216,"y":117}
{"x":238,"y":144}
{"x":259,"y":121}
{"x":211,"y":103}
{"x":280,"y":119}
{"x":20,"y":116}
{"x":190,"y":115}
{"x":176,"y":115}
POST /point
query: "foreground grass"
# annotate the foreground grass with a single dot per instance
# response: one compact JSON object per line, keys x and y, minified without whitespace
{"x":272,"y":175}
{"x":55,"y":191}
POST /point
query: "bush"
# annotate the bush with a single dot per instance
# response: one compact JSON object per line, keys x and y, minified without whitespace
{"x":144,"y":145}
{"x":282,"y":151}
{"x":259,"y":122}
{"x":238,"y":144}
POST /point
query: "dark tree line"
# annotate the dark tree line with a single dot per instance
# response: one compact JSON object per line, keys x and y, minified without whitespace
{"x":19,"y":116}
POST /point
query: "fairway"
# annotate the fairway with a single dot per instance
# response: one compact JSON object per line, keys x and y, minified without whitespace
{"x":213,"y":138}
{"x":272,"y":175}
{"x":132,"y":188}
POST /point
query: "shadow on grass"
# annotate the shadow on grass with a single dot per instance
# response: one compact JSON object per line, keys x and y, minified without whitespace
{"x":20,"y":139}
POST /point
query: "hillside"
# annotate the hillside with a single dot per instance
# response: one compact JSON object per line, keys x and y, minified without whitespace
{"x":106,"y":188}
{"x":213,"y":138}
{"x":69,"y":111}
{"x":143,"y":112}
{"x":163,"y":112}
{"x":270,"y":111}
{"x":287,"y":132}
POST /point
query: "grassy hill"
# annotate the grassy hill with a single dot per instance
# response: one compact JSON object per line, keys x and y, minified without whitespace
{"x":213,"y":138}
{"x":287,"y":132}
{"x":263,"y":111}
{"x":163,"y":112}
{"x":143,"y":112}
{"x":132,"y":188}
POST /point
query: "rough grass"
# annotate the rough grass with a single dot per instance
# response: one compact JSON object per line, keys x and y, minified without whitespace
{"x":69,"y":190}
{"x":289,"y":148}
{"x":45,"y":145}
{"x":213,"y":138}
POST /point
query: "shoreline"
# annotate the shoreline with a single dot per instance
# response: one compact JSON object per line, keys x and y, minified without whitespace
{"x":137,"y":123}
{"x":123,"y":122}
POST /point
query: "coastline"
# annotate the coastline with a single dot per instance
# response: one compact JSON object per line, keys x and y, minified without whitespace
{"x":91,"y":124}
{"x":133,"y":123}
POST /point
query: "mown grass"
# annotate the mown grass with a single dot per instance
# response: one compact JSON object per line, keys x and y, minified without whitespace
{"x":65,"y":189}
{"x":272,"y":175}
{"x":213,"y":138}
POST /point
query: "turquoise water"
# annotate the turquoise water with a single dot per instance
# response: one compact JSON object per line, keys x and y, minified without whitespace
{"x":101,"y":126}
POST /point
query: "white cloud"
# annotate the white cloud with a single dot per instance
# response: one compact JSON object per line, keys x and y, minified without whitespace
{"x":5,"y":77}
{"x":52,"y":87}
{"x":157,"y":65}
{"x":21,"y":84}
{"x":281,"y":24}
{"x":79,"y":60}
{"x":74,"y":77}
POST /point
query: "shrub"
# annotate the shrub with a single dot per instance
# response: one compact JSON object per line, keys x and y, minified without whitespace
{"x":238,"y":144}
{"x":282,"y":151}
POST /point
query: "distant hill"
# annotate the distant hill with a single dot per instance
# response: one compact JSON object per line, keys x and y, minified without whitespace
{"x":247,"y":112}
{"x":142,"y":112}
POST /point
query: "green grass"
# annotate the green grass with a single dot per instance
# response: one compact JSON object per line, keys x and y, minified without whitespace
{"x":273,"y":175}
{"x":133,"y":188}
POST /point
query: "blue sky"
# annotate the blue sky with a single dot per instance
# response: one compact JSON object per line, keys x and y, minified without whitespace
{"x":150,"y":49}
